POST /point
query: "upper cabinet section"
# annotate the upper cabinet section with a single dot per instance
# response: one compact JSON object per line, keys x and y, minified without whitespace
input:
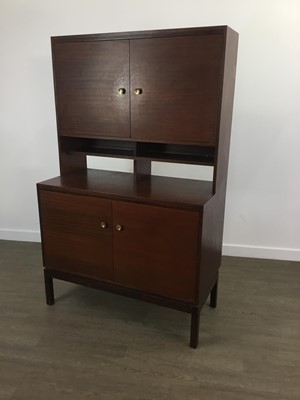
{"x":152,"y":86}
{"x":92,"y":88}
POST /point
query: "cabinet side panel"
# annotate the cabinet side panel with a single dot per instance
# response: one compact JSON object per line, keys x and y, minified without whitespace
{"x":211,"y":248}
{"x":228,"y":86}
{"x":156,"y":250}
{"x":213,"y":213}
{"x":73,"y":240}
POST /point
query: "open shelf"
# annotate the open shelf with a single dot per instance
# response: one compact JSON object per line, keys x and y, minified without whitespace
{"x":100,"y":147}
{"x":190,"y":154}
{"x":176,"y":153}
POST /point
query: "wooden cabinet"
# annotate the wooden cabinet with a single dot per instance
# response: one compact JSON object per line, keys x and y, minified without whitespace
{"x":167,"y":89}
{"x":154,"y":95}
{"x":82,"y":237}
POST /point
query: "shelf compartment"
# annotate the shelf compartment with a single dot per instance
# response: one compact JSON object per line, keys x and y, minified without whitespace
{"x":100,"y":147}
{"x":176,"y":153}
{"x":168,"y":152}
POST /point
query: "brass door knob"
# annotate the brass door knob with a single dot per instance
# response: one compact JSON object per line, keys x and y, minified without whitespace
{"x":121,"y":91}
{"x":119,"y":227}
{"x":103,"y":224}
{"x":138,"y":91}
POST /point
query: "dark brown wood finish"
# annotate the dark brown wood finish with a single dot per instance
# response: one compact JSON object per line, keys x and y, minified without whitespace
{"x":72,"y":162}
{"x":77,"y":231}
{"x":141,"y":152}
{"x":88,"y":76}
{"x":198,"y":31}
{"x":179,"y":79}
{"x":142,"y":167}
{"x":49,"y":290}
{"x":121,"y":290}
{"x":161,"y":238}
{"x":156,"y":190}
{"x":213,"y":213}
{"x":214,"y":296}
{"x":156,"y":249}
{"x":195,"y":324}
{"x":226,"y":112}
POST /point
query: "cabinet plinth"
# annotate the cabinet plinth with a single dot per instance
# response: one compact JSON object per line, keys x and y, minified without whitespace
{"x":149,"y":96}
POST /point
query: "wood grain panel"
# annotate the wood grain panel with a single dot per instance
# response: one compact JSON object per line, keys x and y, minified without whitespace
{"x":156,"y":251}
{"x":180,"y":80}
{"x":158,"y":190}
{"x":87,"y":77}
{"x":73,"y":240}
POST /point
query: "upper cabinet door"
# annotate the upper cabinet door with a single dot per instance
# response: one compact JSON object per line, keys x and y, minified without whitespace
{"x":92,"y":88}
{"x":175,"y":88}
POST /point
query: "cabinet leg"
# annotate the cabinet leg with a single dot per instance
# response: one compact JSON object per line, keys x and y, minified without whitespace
{"x":195,"y":322}
{"x":49,"y":288}
{"x":214,"y":295}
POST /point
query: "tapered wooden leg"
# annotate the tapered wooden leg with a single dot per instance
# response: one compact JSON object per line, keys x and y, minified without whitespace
{"x":195,"y":322}
{"x":214,"y":295}
{"x":49,"y":288}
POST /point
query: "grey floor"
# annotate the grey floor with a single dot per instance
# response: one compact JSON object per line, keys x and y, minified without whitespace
{"x":96,"y":345}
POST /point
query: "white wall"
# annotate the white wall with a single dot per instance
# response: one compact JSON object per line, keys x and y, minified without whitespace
{"x":262,"y":212}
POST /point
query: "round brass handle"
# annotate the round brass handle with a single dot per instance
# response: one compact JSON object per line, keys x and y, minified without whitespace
{"x":138,"y":91}
{"x":103,"y":224}
{"x":121,"y":90}
{"x":119,"y":227}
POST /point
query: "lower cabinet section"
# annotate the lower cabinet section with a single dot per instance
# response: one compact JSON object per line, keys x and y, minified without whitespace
{"x":140,"y":246}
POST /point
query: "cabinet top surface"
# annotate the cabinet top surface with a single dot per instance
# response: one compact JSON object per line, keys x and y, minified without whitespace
{"x":206,"y":30}
{"x":163,"y":191}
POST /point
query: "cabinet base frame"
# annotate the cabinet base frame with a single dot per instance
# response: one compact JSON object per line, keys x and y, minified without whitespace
{"x":193,"y":309}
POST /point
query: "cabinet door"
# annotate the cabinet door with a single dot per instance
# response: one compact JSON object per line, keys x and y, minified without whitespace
{"x":72,"y":237}
{"x":180,"y":79}
{"x":87,"y":78}
{"x":156,"y":249}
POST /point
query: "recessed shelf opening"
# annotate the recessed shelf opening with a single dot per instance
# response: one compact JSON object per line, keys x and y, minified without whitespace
{"x":168,"y":152}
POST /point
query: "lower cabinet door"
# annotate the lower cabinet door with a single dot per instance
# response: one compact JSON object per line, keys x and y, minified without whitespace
{"x":77,"y":234}
{"x":155,"y":249}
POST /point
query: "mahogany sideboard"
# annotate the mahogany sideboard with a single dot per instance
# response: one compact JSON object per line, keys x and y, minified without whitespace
{"x":163,"y":95}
